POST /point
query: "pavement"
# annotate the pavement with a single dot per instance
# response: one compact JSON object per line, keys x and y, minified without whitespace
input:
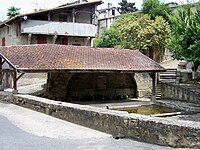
{"x":24,"y":129}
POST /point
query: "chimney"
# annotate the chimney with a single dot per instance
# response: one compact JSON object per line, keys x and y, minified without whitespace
{"x":109,"y":5}
{"x":80,"y":1}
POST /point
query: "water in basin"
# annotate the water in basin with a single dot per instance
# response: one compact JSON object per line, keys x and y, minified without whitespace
{"x":148,"y":109}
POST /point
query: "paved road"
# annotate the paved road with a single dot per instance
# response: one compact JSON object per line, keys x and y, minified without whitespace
{"x":24,"y":129}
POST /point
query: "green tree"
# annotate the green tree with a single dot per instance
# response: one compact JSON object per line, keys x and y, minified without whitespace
{"x":126,"y":7}
{"x":143,"y":33}
{"x":185,"y":40}
{"x":110,"y":38}
{"x":136,"y":31}
{"x":13,"y":11}
{"x":155,"y":8}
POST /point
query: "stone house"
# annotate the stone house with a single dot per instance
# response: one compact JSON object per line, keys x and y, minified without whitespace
{"x":70,"y":24}
{"x":80,"y":72}
{"x":106,"y":17}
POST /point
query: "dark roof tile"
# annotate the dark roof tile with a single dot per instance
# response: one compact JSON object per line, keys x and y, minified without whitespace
{"x":65,"y":57}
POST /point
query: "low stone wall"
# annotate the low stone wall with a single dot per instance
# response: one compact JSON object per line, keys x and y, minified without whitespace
{"x":160,"y":131}
{"x":180,"y":92}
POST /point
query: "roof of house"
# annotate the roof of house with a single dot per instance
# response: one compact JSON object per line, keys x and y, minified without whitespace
{"x":44,"y":58}
{"x":52,"y":9}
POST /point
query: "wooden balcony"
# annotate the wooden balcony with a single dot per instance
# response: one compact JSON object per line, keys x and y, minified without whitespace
{"x":58,"y":28}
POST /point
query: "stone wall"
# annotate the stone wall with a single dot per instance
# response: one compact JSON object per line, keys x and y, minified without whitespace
{"x":90,"y":86}
{"x":180,"y":92}
{"x":56,"y":87}
{"x":144,"y":84}
{"x":162,"y":131}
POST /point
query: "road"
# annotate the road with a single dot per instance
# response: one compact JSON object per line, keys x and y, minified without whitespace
{"x":24,"y":129}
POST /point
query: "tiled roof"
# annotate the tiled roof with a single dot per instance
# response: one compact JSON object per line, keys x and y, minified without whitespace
{"x":77,"y":58}
{"x":98,"y":2}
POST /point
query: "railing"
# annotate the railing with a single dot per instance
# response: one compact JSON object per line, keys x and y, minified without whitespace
{"x":58,"y":28}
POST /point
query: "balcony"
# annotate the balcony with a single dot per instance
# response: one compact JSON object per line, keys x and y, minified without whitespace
{"x":58,"y":28}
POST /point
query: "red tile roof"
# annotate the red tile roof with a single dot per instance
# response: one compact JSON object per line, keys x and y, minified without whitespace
{"x":77,"y":58}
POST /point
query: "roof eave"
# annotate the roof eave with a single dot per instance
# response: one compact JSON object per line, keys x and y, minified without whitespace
{"x":26,"y":70}
{"x":10,"y":63}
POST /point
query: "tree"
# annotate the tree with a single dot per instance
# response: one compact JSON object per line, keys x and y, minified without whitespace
{"x":13,"y":11}
{"x":126,"y":7}
{"x":155,"y":8}
{"x":185,"y":40}
{"x":137,"y":31}
{"x":110,"y":38}
{"x":140,"y":32}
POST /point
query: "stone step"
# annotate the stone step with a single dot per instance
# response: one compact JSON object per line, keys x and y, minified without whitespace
{"x":168,"y":76}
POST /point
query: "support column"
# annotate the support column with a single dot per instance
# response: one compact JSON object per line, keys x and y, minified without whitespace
{"x":54,"y":39}
{"x":73,"y":16}
{"x":49,"y":16}
{"x":29,"y":39}
{"x":15,"y":82}
{"x":153,"y":96}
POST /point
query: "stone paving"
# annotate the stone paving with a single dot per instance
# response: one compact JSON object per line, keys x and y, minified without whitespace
{"x":23,"y":129}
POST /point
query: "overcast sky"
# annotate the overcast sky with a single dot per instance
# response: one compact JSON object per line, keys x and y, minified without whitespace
{"x":28,"y":6}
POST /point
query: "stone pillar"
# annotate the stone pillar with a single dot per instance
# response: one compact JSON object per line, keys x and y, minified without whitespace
{"x":57,"y":83}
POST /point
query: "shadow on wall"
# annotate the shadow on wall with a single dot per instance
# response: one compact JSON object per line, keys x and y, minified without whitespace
{"x":98,"y":86}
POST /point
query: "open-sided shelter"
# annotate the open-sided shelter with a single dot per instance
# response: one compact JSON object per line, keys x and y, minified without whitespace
{"x":77,"y":72}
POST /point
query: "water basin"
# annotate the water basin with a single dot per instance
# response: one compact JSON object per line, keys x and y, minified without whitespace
{"x":148,"y":109}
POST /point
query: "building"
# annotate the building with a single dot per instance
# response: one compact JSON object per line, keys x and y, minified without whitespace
{"x":175,"y":6}
{"x":80,"y":72}
{"x":106,"y":17}
{"x":69,"y":24}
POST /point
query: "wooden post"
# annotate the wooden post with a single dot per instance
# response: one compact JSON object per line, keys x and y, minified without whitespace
{"x":73,"y":16}
{"x":153,"y":96}
{"x":15,"y":81}
{"x":1,"y":69}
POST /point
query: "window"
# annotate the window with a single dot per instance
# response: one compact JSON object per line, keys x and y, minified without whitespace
{"x":113,"y":12}
{"x":41,"y":40}
{"x":64,"y":41}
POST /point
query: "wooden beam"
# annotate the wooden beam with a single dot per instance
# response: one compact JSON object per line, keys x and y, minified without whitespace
{"x":1,"y":77}
{"x":6,"y":70}
{"x":3,"y":62}
{"x":15,"y":81}
{"x":20,"y":76}
{"x":14,"y":76}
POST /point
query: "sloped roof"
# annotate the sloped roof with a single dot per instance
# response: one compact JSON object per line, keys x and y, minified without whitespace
{"x":76,"y":58}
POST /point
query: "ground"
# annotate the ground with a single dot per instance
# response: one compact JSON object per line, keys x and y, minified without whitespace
{"x":26,"y":129}
{"x":23,"y":129}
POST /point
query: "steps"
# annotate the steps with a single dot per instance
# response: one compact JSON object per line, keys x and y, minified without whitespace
{"x":158,"y":92}
{"x":168,"y":76}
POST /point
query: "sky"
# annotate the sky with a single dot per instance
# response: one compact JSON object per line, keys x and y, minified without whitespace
{"x":28,"y":6}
